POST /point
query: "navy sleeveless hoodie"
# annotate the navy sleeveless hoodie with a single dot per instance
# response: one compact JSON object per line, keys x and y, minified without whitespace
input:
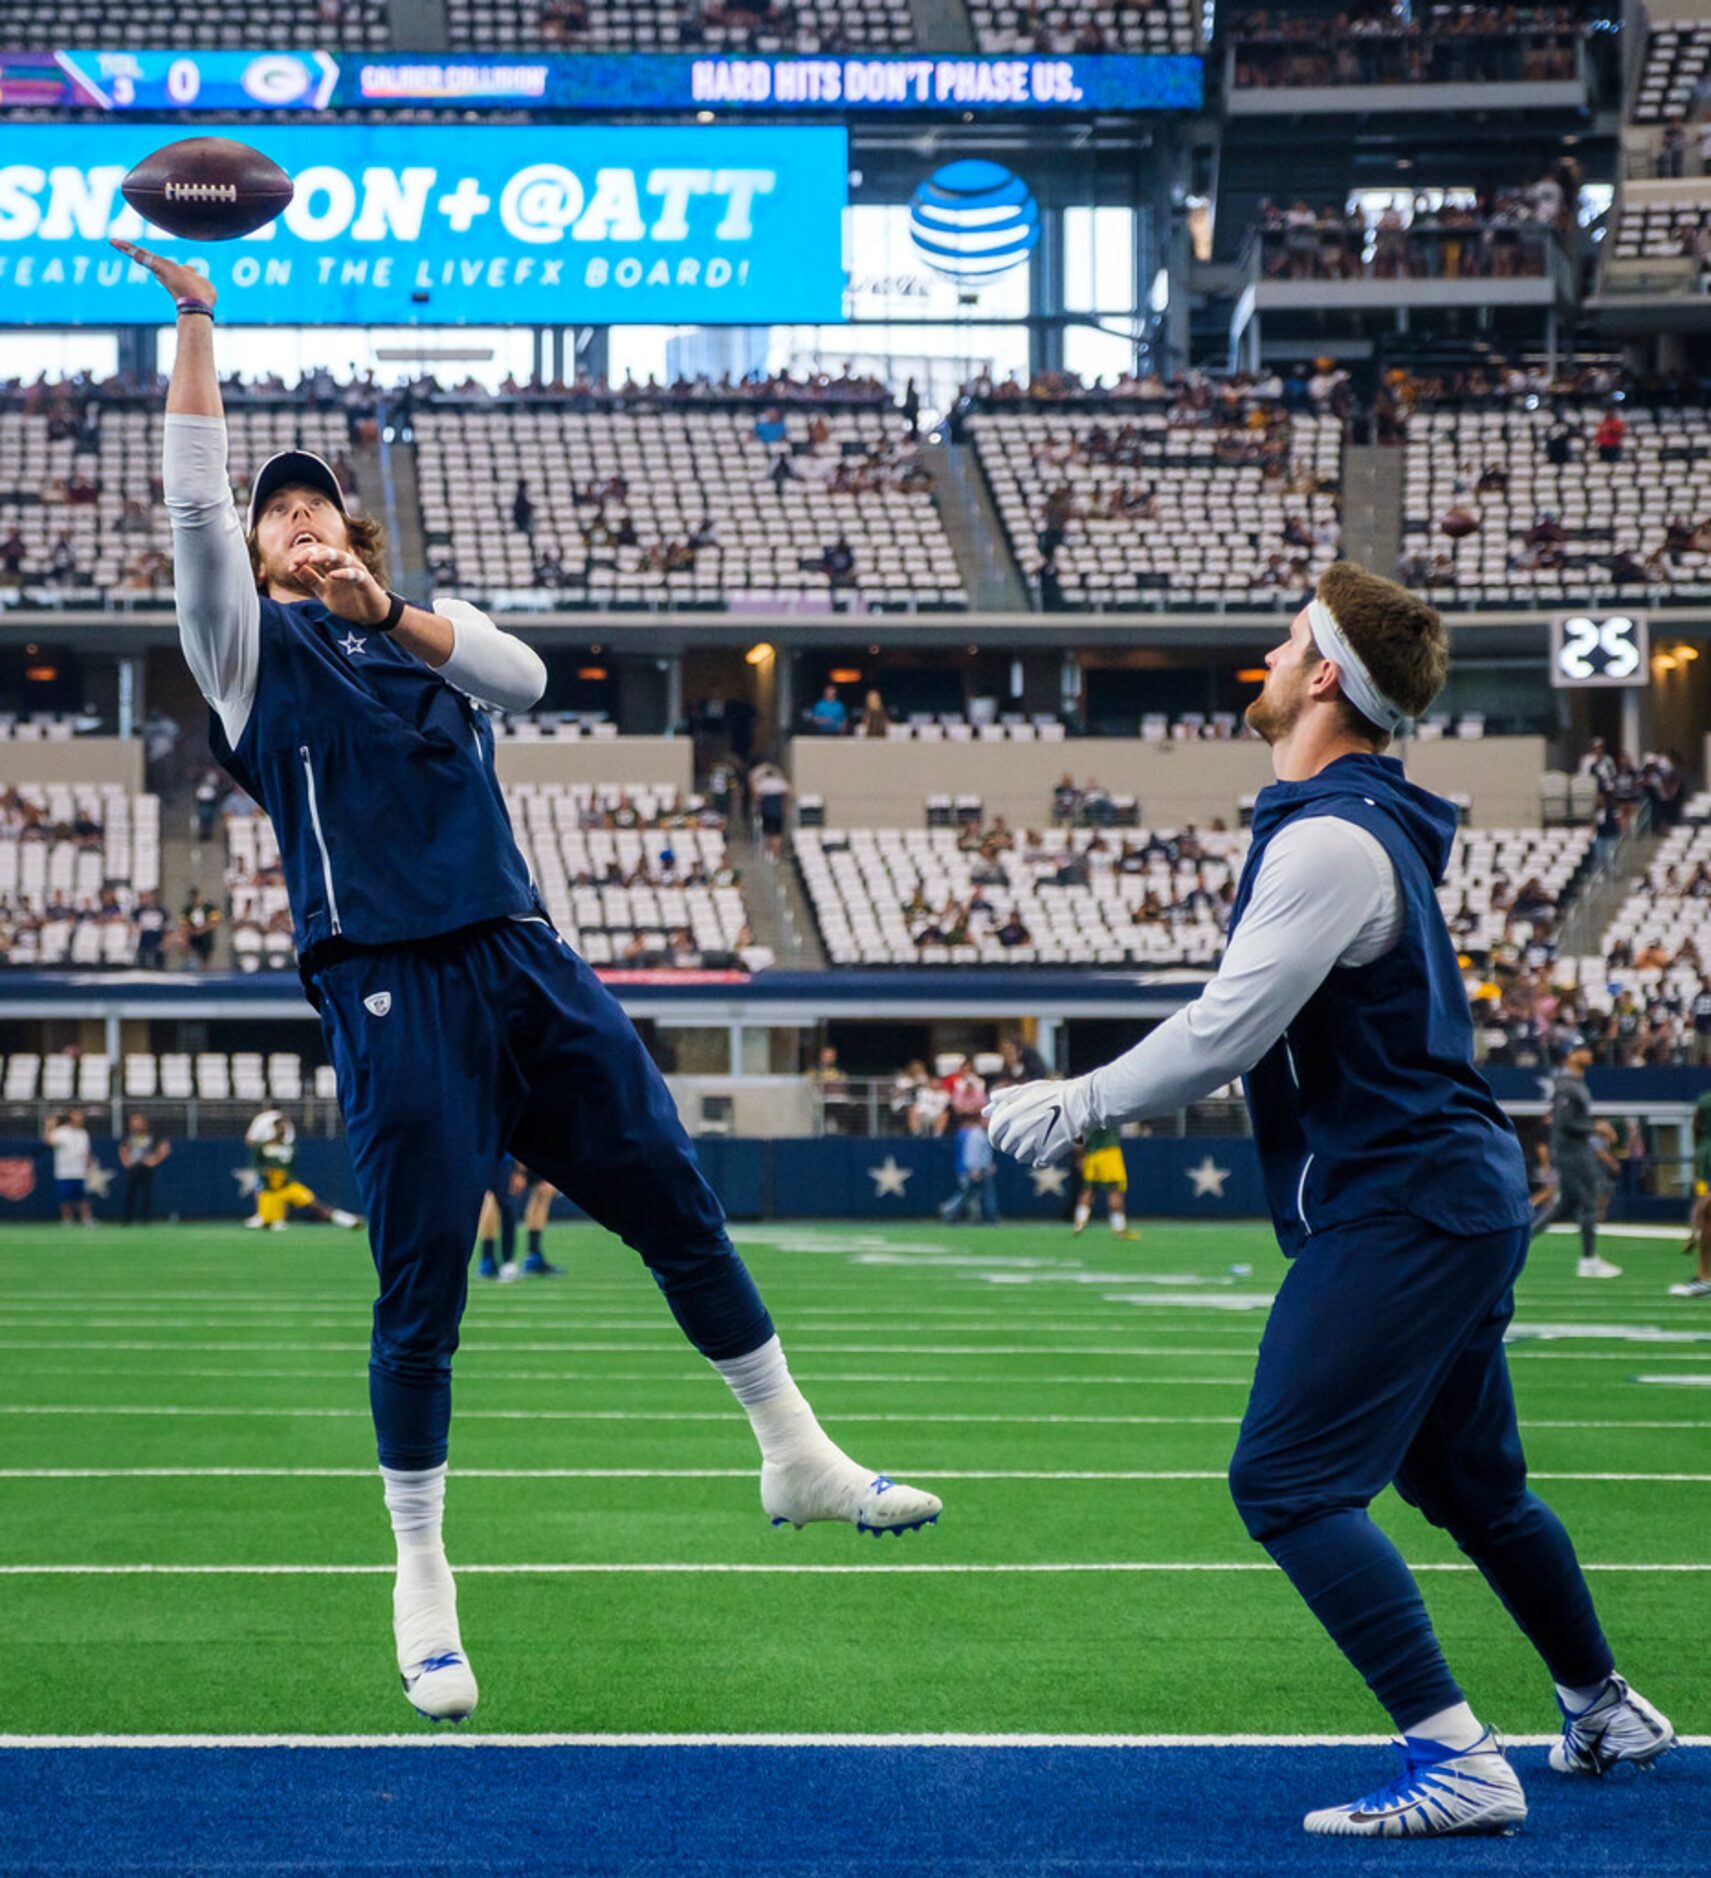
{"x":1369,"y":1104}
{"x":378,"y":776}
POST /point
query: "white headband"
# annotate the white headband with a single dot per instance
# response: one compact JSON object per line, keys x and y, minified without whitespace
{"x":1358,"y":686}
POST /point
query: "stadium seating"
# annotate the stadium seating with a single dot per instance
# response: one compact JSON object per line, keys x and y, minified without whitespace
{"x":953,"y":727}
{"x":129,"y":462}
{"x":644,"y":895}
{"x":355,"y":24}
{"x":1655,"y":230}
{"x":1156,"y":26}
{"x":141,"y":1076}
{"x":861,"y":883}
{"x":1602,"y":508}
{"x":1677,"y":63}
{"x":671,"y":472}
{"x":691,"y":26}
{"x":1214,"y":534}
{"x":257,"y":905}
{"x":634,"y":876}
{"x":32,"y":461}
{"x":552,"y":726}
{"x":73,"y":859}
{"x":1668,"y":909}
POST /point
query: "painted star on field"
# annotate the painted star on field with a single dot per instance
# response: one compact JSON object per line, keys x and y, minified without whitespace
{"x":1208,"y":1178}
{"x":889,"y":1179}
{"x":1049,"y":1180}
{"x":97,"y":1179}
{"x":248,"y":1179}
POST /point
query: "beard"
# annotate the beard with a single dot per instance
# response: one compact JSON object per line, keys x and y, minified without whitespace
{"x":1272,"y":718}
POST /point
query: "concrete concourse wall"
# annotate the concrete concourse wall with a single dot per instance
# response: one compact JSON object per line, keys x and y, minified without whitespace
{"x":78,"y":760}
{"x":626,"y":761}
{"x":875,"y":783}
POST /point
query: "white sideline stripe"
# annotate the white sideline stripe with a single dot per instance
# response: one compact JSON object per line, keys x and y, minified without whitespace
{"x":1218,"y":1474}
{"x":727,"y":1415}
{"x":603,"y":1568}
{"x":478,"y":1370}
{"x":446,"y":1742}
{"x":497,"y":1378}
{"x":572,"y":1347}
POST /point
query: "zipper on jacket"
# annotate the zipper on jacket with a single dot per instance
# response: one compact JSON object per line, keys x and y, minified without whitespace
{"x":1301,"y":1194}
{"x":1289,"y":1058}
{"x":320,"y":839}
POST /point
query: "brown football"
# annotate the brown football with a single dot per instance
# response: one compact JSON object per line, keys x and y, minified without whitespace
{"x":207,"y":189}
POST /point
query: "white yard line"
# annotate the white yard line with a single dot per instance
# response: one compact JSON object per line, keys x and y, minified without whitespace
{"x":913,"y":1420}
{"x":604,"y":1568}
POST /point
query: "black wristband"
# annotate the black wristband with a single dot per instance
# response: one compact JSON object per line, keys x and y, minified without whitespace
{"x":395,"y":612}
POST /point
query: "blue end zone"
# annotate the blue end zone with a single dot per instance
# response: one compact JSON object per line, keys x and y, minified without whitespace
{"x":733,"y":1812}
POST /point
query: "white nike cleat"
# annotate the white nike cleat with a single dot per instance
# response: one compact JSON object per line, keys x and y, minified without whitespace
{"x":1621,"y":1726}
{"x":510,"y":1272}
{"x":1596,"y":1267}
{"x":436,"y":1675}
{"x":1440,"y":1791}
{"x":829,"y":1485}
{"x":255,"y":1223}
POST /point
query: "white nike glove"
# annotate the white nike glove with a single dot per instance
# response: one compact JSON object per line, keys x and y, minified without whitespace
{"x":1039,"y":1122}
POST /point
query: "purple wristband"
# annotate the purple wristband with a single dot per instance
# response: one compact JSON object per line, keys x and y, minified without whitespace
{"x":195,"y":306}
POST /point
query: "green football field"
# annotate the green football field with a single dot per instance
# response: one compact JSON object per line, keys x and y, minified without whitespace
{"x":192,"y":1537}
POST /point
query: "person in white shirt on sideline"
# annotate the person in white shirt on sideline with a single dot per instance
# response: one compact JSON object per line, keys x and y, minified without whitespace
{"x":69,"y":1139}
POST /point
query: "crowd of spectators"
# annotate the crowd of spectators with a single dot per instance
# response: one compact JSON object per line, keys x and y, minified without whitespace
{"x":107,"y":930}
{"x":1530,"y":1017}
{"x":717,"y":25}
{"x":1656,"y":785}
{"x":1497,"y":236}
{"x":1230,"y":400}
{"x":596,"y":392}
{"x":1385,"y":44}
{"x":1532,"y":1006}
{"x":925,"y":1102}
{"x":994,"y":848}
{"x":1676,"y":154}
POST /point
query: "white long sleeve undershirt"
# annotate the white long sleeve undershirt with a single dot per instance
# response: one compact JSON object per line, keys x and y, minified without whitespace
{"x":1326,"y":896}
{"x":219,"y":611}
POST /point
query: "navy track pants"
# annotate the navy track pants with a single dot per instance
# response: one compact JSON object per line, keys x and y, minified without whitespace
{"x":453,"y":1052}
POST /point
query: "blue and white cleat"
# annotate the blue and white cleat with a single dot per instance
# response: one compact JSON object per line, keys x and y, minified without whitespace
{"x":830,"y":1486}
{"x":441,"y":1688}
{"x":1620,"y":1728}
{"x":436,"y":1675}
{"x":1440,"y":1791}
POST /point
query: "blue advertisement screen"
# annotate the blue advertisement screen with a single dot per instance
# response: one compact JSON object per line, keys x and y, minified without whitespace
{"x":444,"y":225}
{"x":885,"y":82}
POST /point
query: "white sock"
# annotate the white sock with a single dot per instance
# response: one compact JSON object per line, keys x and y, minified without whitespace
{"x":778,"y":1411}
{"x":1577,"y":1701}
{"x":1119,"y":1220}
{"x":417,"y":1505}
{"x":1456,"y":1727}
{"x":1083,"y":1214}
{"x":424,"y":1596}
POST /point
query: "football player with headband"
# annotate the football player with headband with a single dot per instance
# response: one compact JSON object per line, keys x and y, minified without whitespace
{"x":1399,"y":1193}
